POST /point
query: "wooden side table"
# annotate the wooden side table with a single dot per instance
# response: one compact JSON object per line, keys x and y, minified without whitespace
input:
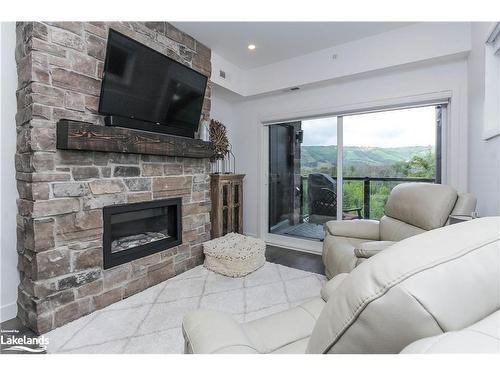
{"x":227,"y":203}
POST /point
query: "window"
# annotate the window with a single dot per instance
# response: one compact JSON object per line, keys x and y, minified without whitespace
{"x":383,"y":149}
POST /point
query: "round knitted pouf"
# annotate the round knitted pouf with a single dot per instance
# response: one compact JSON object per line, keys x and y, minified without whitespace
{"x":234,"y":255}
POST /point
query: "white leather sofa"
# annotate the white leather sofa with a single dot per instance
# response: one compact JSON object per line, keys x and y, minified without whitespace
{"x":481,"y":337}
{"x":435,"y":292}
{"x":412,"y":208}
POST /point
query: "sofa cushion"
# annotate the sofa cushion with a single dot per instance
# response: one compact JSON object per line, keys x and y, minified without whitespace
{"x":288,"y":331}
{"x":208,"y":331}
{"x":439,"y":281}
{"x":423,"y":205}
{"x":396,"y":230}
{"x":273,"y":332}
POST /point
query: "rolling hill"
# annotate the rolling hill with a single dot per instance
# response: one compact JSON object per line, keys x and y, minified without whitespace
{"x":322,"y":156}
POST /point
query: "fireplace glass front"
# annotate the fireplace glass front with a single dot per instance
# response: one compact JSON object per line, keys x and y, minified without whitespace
{"x":132,"y":231}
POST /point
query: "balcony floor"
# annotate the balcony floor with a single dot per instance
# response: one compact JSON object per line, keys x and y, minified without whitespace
{"x":305,"y":230}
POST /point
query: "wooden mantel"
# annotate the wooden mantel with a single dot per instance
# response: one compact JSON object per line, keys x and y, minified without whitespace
{"x":75,"y":135}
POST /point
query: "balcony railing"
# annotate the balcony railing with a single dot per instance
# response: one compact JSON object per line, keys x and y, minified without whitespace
{"x":366,"y":188}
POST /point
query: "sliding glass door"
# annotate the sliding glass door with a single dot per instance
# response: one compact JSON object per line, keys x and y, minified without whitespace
{"x":376,"y":151}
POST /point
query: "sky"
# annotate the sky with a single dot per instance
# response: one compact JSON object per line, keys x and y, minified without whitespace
{"x":399,"y":128}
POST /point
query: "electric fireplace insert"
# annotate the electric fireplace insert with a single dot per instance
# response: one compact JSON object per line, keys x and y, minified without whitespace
{"x":133,"y":231}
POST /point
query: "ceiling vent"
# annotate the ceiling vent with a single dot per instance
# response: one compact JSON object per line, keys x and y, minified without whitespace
{"x":222,"y":74}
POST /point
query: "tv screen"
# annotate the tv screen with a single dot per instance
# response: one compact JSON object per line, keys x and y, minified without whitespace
{"x":148,"y":90}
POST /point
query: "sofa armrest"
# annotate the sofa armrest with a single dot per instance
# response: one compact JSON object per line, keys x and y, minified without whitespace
{"x":369,"y":249}
{"x":332,"y":284}
{"x":366,"y":229}
{"x":465,"y":204}
{"x":208,"y":332}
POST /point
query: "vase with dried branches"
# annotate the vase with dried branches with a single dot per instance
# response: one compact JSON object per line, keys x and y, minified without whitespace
{"x":223,"y":160}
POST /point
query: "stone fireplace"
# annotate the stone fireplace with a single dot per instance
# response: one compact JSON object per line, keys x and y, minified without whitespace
{"x":66,"y":196}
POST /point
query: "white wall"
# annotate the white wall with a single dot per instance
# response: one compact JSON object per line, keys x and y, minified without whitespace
{"x":411,"y":83}
{"x":235,"y":79}
{"x":10,"y":276}
{"x":484,"y":156}
{"x":408,"y":45}
{"x":222,"y":109}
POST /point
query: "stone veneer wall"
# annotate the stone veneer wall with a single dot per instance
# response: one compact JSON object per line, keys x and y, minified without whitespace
{"x":62,"y":192}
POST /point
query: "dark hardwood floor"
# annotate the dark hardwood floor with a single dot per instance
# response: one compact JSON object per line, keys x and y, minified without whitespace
{"x":295,"y":259}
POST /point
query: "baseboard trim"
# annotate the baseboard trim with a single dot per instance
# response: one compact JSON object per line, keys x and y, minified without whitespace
{"x":293,"y":248}
{"x":8,"y":311}
{"x":305,"y":246}
{"x":287,"y":242}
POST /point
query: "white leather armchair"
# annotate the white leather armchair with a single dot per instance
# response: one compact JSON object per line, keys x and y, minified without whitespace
{"x":411,"y":209}
{"x":441,"y":286}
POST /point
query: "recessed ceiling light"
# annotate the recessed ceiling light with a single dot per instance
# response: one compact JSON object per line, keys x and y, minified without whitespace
{"x":251,"y":47}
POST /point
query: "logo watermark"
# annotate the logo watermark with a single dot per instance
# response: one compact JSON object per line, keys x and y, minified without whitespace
{"x":12,"y":341}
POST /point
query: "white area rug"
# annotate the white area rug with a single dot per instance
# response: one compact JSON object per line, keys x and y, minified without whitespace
{"x":150,"y":321}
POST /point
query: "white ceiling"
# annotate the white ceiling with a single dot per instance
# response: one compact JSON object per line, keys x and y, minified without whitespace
{"x":278,"y":41}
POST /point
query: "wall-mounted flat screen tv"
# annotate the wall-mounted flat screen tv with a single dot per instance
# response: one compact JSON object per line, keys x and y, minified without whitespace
{"x":144,"y":89}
